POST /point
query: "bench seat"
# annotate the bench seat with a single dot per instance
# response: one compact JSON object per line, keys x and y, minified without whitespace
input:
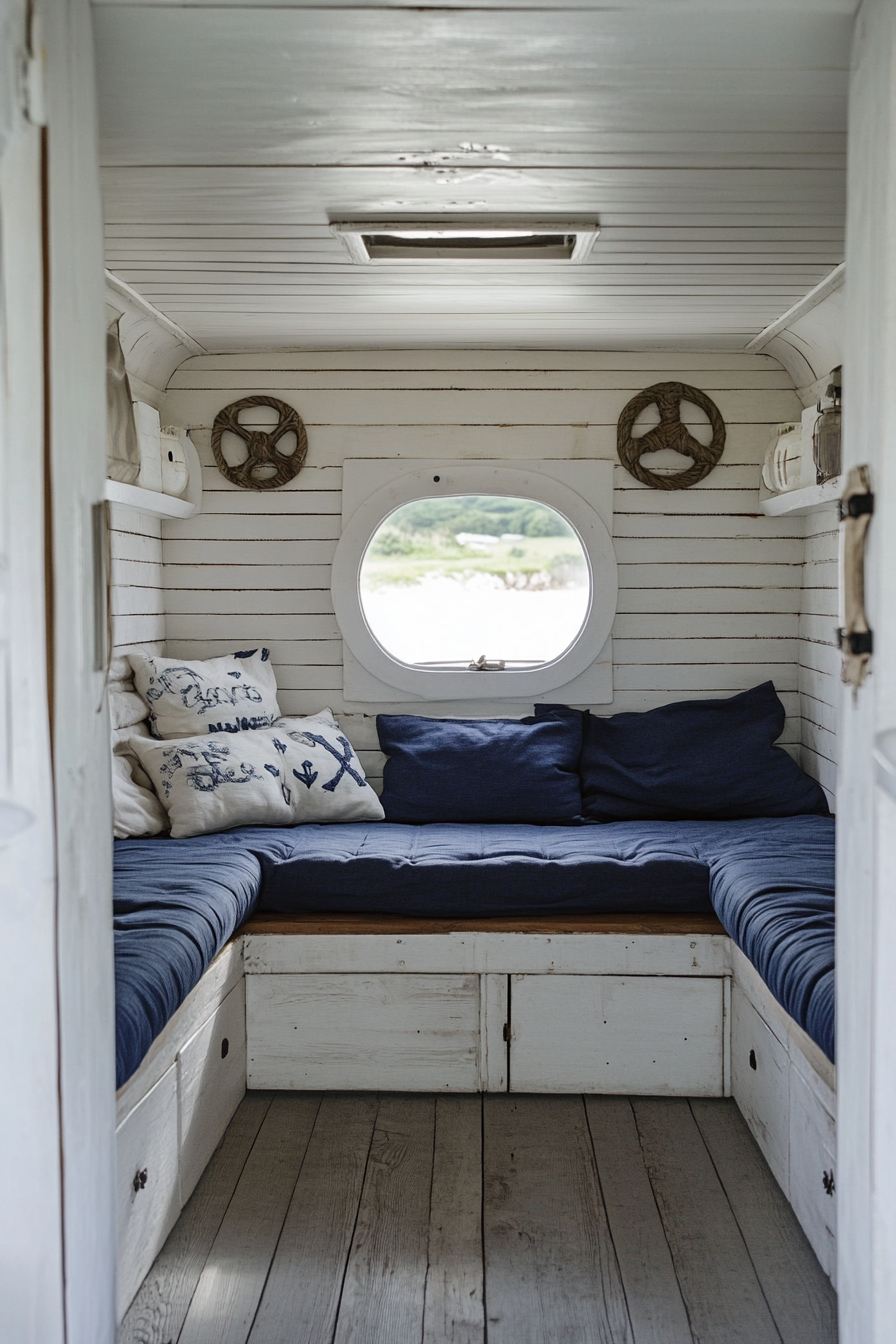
{"x":175,"y":905}
{"x":774,"y":892}
{"x":177,"y":902}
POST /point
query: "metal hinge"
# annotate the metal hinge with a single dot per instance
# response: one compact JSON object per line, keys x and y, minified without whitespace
{"x":827,"y":1180}
{"x":506,"y":1032}
{"x":482,"y":664}
{"x":856,"y":506}
{"x":859,"y":642}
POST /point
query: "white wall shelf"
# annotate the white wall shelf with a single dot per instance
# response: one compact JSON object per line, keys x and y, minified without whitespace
{"x":149,"y":501}
{"x":807,"y":500}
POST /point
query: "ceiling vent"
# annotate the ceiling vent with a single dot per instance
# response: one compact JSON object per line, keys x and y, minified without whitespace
{"x":466,"y":239}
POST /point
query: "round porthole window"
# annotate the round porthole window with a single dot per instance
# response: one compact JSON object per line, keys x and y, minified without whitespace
{"x":470,"y":581}
{"x":475,"y":582}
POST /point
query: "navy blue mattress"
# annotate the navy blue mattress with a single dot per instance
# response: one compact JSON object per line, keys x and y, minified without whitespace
{"x":175,"y":904}
{"x":772,"y":886}
{"x":465,"y":870}
{"x":770,"y":880}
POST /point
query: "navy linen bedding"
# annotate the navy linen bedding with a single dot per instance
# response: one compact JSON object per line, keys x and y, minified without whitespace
{"x":466,"y":870}
{"x":770,"y":881}
{"x":772,"y":886}
{"x":175,"y":904}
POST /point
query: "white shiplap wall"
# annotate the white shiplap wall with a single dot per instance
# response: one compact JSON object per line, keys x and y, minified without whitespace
{"x":819,"y":671}
{"x":809,"y":342}
{"x":137,"y":601}
{"x":153,"y":347}
{"x":709,"y":588}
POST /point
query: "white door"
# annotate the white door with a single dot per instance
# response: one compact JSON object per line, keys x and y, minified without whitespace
{"x":31,"y":1285}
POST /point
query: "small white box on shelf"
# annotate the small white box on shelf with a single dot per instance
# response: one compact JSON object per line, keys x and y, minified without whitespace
{"x":175,"y":472}
{"x":149,"y":431}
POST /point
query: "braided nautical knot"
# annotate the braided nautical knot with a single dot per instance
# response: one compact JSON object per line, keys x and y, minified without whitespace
{"x":670,"y":433}
{"x":262,"y":445}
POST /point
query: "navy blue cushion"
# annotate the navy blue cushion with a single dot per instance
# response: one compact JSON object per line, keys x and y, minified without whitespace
{"x":772,"y":886}
{"x":176,"y":903}
{"x":447,"y":870}
{"x":481,"y":769}
{"x":691,"y":760}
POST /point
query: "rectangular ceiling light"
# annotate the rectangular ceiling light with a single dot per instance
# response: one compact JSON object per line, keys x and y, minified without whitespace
{"x":469,"y":238}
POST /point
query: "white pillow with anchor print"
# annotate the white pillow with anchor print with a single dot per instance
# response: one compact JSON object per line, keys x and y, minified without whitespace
{"x":217,"y":781}
{"x":329,"y":781}
{"x":187,"y":696}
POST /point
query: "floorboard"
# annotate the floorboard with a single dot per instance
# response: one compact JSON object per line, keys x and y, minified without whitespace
{"x":657,"y":1311}
{"x":383,"y":1294}
{"x":799,"y":1293}
{"x":551,"y":1270}
{"x":356,"y":1218}
{"x":232,"y":1281}
{"x":301,"y":1297}
{"x":453,"y":1311}
{"x":721,"y":1291}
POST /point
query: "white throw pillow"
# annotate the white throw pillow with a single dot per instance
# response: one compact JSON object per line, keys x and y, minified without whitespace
{"x":187,"y":696}
{"x":218,"y":781}
{"x":135,"y":808}
{"x":126,"y":707}
{"x":330,"y":783}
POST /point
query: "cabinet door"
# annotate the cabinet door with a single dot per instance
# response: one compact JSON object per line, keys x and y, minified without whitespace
{"x":813,"y":1151}
{"x":647,"y":1035}
{"x":414,"y":1033}
{"x":147,"y":1197}
{"x":760,"y":1084}
{"x":211,"y":1084}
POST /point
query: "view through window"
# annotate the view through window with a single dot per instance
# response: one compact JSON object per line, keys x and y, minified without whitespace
{"x":448,"y":582}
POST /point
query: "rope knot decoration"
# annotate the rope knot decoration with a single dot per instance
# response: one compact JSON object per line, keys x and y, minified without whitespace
{"x":262,"y":445}
{"x":669,"y":433}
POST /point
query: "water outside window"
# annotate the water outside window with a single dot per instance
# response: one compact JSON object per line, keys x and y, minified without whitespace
{"x":446,"y":582}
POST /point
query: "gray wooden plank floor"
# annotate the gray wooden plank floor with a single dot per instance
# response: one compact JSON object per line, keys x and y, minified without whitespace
{"x":355,"y":1218}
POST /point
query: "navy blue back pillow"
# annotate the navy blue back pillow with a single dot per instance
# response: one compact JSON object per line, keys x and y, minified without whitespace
{"x":481,"y":769}
{"x":712,"y":759}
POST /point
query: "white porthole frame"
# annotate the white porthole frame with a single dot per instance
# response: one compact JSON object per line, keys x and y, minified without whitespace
{"x":372,"y":489}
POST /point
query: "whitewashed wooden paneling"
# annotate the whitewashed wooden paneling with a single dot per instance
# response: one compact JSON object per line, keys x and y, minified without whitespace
{"x":709,"y":597}
{"x":760,"y":1084}
{"x":407,"y":1032}
{"x":813,"y":1167}
{"x":211,"y":1083}
{"x":32,"y":1277}
{"x":494,"y":1022}
{"x":489,"y":954}
{"x":147,"y":1194}
{"x":819,"y":676}
{"x":644,"y":1035}
{"x":137,"y":600}
{"x":718,"y":181}
{"x":81,"y":803}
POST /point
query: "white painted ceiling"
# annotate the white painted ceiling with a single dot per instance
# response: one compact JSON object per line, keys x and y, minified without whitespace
{"x":709,"y":143}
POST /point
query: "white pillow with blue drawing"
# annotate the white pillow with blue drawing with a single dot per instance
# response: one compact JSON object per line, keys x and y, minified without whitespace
{"x":330,"y":780}
{"x":268,"y":777}
{"x":187,"y":696}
